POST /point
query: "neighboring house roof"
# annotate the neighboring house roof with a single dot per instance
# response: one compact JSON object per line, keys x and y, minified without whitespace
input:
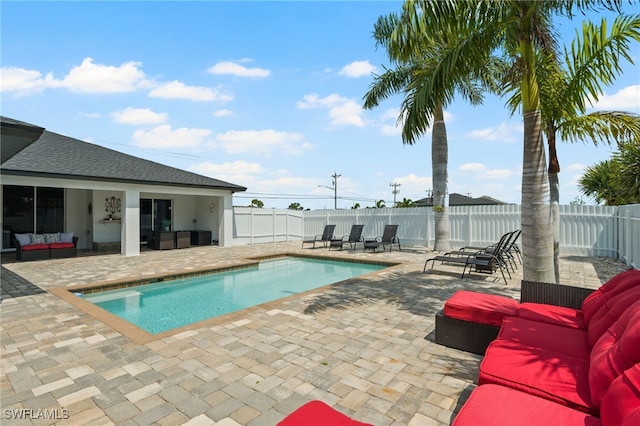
{"x":58,"y":156}
{"x":456,"y":199}
{"x":15,"y":136}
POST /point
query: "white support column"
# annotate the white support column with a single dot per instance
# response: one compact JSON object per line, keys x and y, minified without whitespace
{"x":225,"y":223}
{"x":130,"y":236}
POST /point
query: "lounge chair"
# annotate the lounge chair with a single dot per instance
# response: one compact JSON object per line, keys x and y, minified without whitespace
{"x":482,"y":261}
{"x":326,"y":237}
{"x":503,"y":253}
{"x":354,"y":237}
{"x":388,"y":238}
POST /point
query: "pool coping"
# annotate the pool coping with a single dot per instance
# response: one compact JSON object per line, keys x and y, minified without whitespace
{"x":140,"y":336}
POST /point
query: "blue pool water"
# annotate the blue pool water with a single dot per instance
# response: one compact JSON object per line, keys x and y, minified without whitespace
{"x":167,"y":305}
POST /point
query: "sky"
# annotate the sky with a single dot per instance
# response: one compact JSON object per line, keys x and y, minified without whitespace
{"x":267,"y":95}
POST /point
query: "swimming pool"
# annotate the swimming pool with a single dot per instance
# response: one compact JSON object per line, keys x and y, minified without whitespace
{"x":167,"y":305}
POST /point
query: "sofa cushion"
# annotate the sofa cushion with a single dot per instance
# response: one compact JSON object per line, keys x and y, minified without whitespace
{"x":32,"y":247}
{"x":317,"y":413}
{"x":621,"y":402}
{"x":544,"y":373}
{"x":481,"y":308}
{"x":617,"y":350}
{"x":61,"y":245}
{"x":499,"y":405}
{"x":37,"y":239}
{"x":52,"y":237}
{"x":552,"y":314}
{"x":66,"y":237}
{"x":23,"y":239}
{"x":569,"y":341}
{"x":610,"y":312}
{"x":621,"y":282}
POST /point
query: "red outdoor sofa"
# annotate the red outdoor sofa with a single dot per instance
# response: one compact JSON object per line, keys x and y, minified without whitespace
{"x":55,"y":245}
{"x":553,"y":364}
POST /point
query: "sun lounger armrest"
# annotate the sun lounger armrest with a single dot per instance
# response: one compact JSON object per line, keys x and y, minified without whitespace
{"x":553,"y":294}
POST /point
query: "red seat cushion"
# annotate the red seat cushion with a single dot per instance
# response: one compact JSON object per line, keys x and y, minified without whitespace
{"x":317,"y":413}
{"x":31,"y":247}
{"x":568,"y":341}
{"x":617,"y":350}
{"x":544,"y":373}
{"x":559,"y":315}
{"x":480,"y":308}
{"x":499,"y":405}
{"x":621,"y":403}
{"x":61,"y":245}
{"x":621,"y":282}
{"x":610,"y":312}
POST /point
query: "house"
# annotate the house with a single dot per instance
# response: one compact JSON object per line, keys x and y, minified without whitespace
{"x":55,"y":183}
{"x":456,"y":199}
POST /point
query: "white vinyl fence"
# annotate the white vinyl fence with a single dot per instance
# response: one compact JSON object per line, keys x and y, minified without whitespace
{"x":612,"y":232}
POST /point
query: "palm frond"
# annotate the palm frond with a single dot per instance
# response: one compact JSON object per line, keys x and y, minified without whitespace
{"x":602,"y":127}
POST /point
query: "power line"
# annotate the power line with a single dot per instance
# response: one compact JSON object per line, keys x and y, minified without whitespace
{"x":395,"y":191}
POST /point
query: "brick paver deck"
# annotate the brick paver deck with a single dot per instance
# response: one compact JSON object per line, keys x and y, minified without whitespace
{"x":364,"y":347}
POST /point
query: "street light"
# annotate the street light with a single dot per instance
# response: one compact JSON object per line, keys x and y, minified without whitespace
{"x":335,"y":177}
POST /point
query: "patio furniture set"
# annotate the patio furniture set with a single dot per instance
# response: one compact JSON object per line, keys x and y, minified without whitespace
{"x":327,"y":238}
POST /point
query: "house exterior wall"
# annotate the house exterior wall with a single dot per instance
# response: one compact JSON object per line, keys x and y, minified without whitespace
{"x":191,"y":209}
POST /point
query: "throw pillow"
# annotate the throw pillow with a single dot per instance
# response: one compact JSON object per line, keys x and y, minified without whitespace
{"x":37,"y":239}
{"x":66,"y":237}
{"x":52,"y":238}
{"x":23,"y":239}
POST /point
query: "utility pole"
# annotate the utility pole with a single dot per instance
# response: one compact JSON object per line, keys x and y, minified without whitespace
{"x":334,"y":186}
{"x":395,"y":191}
{"x":335,"y":177}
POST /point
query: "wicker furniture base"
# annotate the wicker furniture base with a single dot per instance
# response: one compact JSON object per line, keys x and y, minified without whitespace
{"x":183,"y":239}
{"x":464,"y":335}
{"x":553,"y":294}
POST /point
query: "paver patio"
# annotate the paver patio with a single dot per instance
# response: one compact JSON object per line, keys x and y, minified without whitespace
{"x":364,"y":347}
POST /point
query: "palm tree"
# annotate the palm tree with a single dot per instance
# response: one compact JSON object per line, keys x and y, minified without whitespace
{"x":615,"y":181}
{"x":413,"y":77}
{"x":519,"y":29}
{"x":380,"y":204}
{"x":592,"y":62}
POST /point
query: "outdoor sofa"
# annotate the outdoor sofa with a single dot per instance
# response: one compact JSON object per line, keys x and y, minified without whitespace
{"x":558,"y":364}
{"x":55,"y":245}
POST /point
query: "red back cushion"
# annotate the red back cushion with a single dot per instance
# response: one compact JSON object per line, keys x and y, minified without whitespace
{"x":621,"y":402}
{"x":621,"y":282}
{"x":610,"y":312}
{"x":617,"y":350}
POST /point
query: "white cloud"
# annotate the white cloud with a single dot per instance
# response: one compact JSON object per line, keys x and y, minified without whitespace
{"x":90,"y":77}
{"x":178,"y":90}
{"x":262,"y":142}
{"x":481,"y":171}
{"x":627,"y":98}
{"x":139,"y":116}
{"x":342,"y":111}
{"x":165,"y":137}
{"x":21,"y":81}
{"x":238,"y":70}
{"x":232,"y":168}
{"x":358,"y":69}
{"x":389,"y":130}
{"x":223,"y":113}
{"x":504,"y":132}
{"x":472,"y":167}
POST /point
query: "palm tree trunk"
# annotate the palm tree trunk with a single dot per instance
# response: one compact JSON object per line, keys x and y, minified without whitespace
{"x":537,"y":237}
{"x":554,"y":190}
{"x":439,"y":165}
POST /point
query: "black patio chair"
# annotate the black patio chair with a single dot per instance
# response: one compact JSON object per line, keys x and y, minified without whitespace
{"x":326,"y":237}
{"x":388,"y":238}
{"x":354,"y":237}
{"x":483,"y":261}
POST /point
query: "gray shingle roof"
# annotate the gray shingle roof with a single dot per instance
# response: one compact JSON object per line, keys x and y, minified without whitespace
{"x":54,"y":155}
{"x":456,"y":199}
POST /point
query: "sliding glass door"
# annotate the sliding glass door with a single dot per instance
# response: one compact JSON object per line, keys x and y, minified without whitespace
{"x":28,"y":209}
